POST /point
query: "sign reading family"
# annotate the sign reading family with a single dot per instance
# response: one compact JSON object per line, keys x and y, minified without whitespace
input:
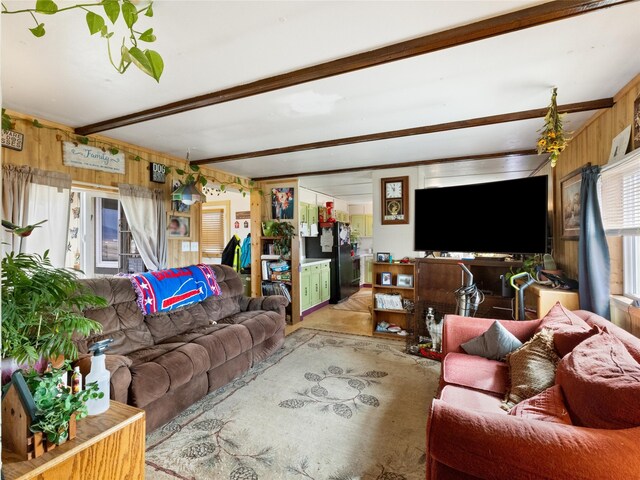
{"x":85,"y":156}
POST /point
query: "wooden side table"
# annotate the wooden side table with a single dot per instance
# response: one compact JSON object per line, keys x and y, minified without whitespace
{"x":541,"y":298}
{"x":109,"y":446}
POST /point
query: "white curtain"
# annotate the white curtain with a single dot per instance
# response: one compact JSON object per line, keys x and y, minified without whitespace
{"x":15,"y":200}
{"x":30,"y":195}
{"x":147,"y":219}
{"x":49,"y":199}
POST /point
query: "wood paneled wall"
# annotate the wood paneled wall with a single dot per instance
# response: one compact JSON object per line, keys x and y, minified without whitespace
{"x":43,"y":149}
{"x":592,"y":143}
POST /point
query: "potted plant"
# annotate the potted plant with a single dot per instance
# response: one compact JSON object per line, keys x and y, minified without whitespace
{"x":284,"y":232}
{"x":41,"y":309}
{"x":56,"y":405}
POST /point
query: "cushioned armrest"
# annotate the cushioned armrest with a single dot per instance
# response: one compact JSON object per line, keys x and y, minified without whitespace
{"x":118,"y":366}
{"x":503,"y":447}
{"x":458,"y":330}
{"x":272,"y":302}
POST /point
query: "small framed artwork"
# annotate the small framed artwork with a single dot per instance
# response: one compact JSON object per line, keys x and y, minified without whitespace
{"x":404,"y":280}
{"x":636,"y":123}
{"x":620,"y":144}
{"x":282,"y":201}
{"x":395,"y":200}
{"x":179,"y":227}
{"x":385,"y":279}
{"x":570,"y":204}
{"x":177,"y":205}
{"x":383,"y":257}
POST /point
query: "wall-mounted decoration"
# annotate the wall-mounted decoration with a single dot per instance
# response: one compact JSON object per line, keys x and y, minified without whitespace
{"x":570,"y":204}
{"x":243,"y":214}
{"x":177,"y":205}
{"x":636,"y":123}
{"x":179,"y":227}
{"x":157,"y":172}
{"x":237,"y":224}
{"x":620,"y":144}
{"x":282,"y":201}
{"x":246,"y":224}
{"x":93,"y":158}
{"x":395,"y":201}
{"x":12,"y":139}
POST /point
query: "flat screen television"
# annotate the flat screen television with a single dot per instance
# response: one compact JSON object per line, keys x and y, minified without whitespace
{"x":497,"y":217}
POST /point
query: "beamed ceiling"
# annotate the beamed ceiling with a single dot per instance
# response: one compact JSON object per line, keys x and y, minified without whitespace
{"x":330,"y":91}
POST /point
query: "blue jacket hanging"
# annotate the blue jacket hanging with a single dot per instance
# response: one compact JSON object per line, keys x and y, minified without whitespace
{"x":245,"y":256}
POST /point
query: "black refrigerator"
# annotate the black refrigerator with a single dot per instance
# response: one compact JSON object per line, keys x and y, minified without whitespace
{"x":334,"y":243}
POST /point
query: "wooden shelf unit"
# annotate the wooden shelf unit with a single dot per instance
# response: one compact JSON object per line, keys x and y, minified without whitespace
{"x":397,"y":317}
{"x":293,"y":306}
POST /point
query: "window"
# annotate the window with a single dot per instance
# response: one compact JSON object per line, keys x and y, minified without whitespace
{"x":212,"y":235}
{"x":621,"y":214}
{"x":107,"y":218}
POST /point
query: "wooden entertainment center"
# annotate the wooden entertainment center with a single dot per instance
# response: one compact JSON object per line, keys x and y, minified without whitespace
{"x":438,"y":278}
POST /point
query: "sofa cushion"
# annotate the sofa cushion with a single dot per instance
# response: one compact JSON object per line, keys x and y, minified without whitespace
{"x":559,"y":316}
{"x":475,"y":372}
{"x":547,"y":406}
{"x":471,"y":399}
{"x":532,"y":368}
{"x":225,"y":343}
{"x":164,"y":325}
{"x":630,"y":341}
{"x":601,"y":383}
{"x":164,"y":368}
{"x":261,"y":324}
{"x":565,"y":339}
{"x":493,"y":344}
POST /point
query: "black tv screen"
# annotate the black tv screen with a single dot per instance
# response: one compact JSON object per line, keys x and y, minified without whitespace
{"x":496,"y":217}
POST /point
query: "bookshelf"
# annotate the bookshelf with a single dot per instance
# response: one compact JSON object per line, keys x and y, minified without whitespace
{"x":275,"y":282}
{"x":396,"y":316}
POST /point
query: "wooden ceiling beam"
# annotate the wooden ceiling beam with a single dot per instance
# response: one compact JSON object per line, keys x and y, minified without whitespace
{"x":472,"y":32}
{"x":435,"y":161}
{"x":423,"y":130}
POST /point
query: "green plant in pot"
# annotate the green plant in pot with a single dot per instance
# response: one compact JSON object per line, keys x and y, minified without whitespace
{"x":56,"y":405}
{"x":41,"y":309}
{"x":284,"y":232}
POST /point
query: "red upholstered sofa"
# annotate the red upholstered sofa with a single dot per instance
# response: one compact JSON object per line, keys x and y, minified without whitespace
{"x":470,"y":437}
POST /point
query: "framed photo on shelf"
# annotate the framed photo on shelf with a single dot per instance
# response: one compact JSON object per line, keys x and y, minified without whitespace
{"x":179,"y":227}
{"x":385,"y":279}
{"x":383,"y":257}
{"x":404,"y":280}
{"x":570,"y":204}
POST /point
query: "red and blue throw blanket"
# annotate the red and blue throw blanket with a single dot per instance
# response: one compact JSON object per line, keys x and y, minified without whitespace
{"x":165,"y":290}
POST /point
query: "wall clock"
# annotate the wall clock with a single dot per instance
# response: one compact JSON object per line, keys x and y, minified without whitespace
{"x":395,"y":201}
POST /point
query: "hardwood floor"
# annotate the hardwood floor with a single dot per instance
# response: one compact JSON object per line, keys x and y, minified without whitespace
{"x":330,"y":319}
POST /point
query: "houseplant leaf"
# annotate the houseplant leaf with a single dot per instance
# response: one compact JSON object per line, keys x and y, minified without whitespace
{"x":156,"y":62}
{"x":38,"y":31}
{"x":95,"y":22}
{"x":48,"y":7}
{"x":129,"y":13}
{"x":147,"y":36}
{"x":112,"y":9}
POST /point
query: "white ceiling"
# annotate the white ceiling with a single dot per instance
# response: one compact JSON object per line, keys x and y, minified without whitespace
{"x":208,"y":46}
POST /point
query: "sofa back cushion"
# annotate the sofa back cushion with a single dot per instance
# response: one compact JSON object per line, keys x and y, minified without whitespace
{"x":631,"y":342}
{"x":165,"y":325}
{"x":565,"y":339}
{"x":601,"y":383}
{"x":228,"y":303}
{"x":121,"y":319}
{"x":559,"y":317}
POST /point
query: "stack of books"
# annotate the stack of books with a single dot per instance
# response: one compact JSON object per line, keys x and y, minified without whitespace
{"x":389,"y":301}
{"x":275,"y":288}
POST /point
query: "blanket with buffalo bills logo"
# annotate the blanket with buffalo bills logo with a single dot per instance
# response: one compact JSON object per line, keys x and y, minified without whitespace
{"x":165,"y":290}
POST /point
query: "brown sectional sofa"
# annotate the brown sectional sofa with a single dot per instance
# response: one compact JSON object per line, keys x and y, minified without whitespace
{"x":165,"y":362}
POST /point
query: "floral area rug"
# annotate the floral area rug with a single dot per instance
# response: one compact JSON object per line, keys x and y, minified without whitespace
{"x":325,"y":407}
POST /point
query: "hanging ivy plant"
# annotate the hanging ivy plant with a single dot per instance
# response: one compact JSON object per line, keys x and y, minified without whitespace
{"x":552,"y":137}
{"x":116,"y":11}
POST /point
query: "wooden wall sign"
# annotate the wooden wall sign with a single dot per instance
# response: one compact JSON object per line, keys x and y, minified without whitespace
{"x":395,"y":201}
{"x":158,"y":172}
{"x":93,"y":158}
{"x":12,"y":139}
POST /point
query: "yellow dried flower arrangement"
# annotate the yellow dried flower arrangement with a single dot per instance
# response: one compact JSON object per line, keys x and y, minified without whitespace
{"x":552,"y":139}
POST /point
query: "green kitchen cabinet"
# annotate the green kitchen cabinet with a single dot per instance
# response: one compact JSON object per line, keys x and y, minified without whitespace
{"x":368,"y":225}
{"x":305,"y":289}
{"x":303,"y":214}
{"x":315,"y":285}
{"x":312,"y":214}
{"x":325,"y":282}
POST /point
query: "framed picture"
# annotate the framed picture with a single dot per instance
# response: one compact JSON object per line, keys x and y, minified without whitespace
{"x":570,"y":204}
{"x":404,"y":280}
{"x":383,"y":257}
{"x":620,"y":144}
{"x":395,"y":200}
{"x":179,"y":227}
{"x":177,"y":205}
{"x":385,"y":279}
{"x":636,"y":123}
{"x":282,"y":201}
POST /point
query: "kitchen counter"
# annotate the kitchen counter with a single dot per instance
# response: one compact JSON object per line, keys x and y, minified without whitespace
{"x":314,"y":261}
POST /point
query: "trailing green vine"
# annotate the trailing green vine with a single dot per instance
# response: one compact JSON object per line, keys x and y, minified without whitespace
{"x":189,"y":173}
{"x":148,"y":61}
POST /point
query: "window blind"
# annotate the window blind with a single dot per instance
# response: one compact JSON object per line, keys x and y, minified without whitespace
{"x":621,"y":196}
{"x":212,"y":232}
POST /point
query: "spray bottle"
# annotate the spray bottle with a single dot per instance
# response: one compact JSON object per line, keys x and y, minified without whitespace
{"x":101,"y":375}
